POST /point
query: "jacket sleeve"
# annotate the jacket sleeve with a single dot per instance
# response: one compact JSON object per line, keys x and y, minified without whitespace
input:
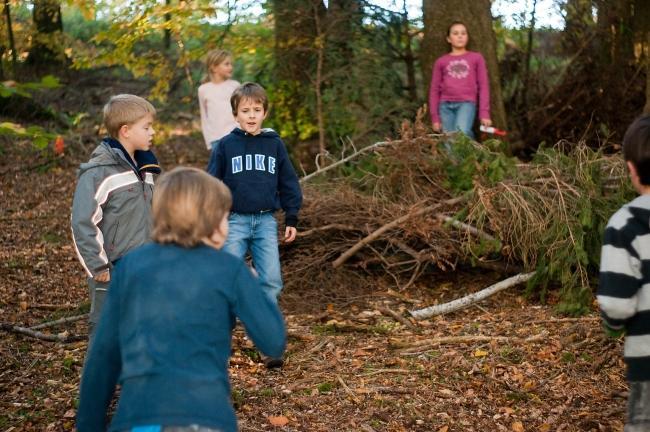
{"x":620,"y":279}
{"x":103,"y":365}
{"x":288,"y":187}
{"x":216,"y":163}
{"x":483,"y":82}
{"x":259,"y":314}
{"x":87,"y":213}
{"x":434,"y":92}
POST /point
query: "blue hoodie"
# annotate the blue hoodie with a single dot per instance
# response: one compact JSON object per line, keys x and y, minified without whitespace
{"x":258,"y":172}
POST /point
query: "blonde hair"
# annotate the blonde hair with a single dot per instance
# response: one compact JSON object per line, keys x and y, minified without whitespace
{"x":213,"y":58}
{"x":125,"y":109}
{"x":188,"y":205}
{"x":249,"y":90}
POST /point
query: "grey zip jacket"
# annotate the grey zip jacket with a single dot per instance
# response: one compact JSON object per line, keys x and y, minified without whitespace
{"x":111,"y":209}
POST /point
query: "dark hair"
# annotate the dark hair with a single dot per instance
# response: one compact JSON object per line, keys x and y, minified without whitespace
{"x":249,"y":90}
{"x":636,"y":147}
{"x":456,"y":23}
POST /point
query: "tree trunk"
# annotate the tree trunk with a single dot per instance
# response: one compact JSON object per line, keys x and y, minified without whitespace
{"x":294,"y":38}
{"x":646,"y":109}
{"x":295,"y":61}
{"x":579,"y":24}
{"x":409,"y":56}
{"x":476,"y":14}
{"x":167,"y":35}
{"x":10,"y":34}
{"x":616,"y":34}
{"x":47,"y":44}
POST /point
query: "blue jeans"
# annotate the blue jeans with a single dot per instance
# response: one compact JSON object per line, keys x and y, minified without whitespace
{"x":458,"y":116}
{"x":257,"y":233}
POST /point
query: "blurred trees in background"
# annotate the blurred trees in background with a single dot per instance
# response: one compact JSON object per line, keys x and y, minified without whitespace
{"x":348,"y":70}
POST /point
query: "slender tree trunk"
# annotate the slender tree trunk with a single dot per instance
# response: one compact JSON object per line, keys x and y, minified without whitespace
{"x":167,"y":39}
{"x":642,"y":27}
{"x":409,"y":56}
{"x":318,"y":83}
{"x":437,"y":15}
{"x":47,"y":45}
{"x":12,"y":43}
{"x":579,"y":24}
{"x":646,"y":109}
{"x":523,"y":103}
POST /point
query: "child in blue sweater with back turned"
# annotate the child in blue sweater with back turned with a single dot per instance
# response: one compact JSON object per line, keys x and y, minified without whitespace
{"x":165,"y":331}
{"x":254,"y":164}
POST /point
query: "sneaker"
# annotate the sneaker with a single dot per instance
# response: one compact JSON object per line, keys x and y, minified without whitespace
{"x":273,"y":362}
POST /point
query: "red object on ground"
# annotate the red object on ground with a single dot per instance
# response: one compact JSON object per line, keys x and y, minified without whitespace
{"x":492,"y":130}
{"x":59,"y":145}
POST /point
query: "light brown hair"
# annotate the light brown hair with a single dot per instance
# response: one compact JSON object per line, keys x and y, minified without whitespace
{"x":213,"y":58}
{"x":249,"y":90}
{"x":125,"y":109}
{"x":188,"y":205}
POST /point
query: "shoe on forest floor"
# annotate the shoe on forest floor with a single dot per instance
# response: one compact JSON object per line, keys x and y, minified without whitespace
{"x":273,"y":362}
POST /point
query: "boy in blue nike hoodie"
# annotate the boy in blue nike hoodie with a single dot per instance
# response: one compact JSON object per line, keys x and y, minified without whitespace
{"x":253,"y":162}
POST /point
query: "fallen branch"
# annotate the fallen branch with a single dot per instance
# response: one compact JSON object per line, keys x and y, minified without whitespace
{"x":61,"y":337}
{"x":391,"y":313}
{"x":463,"y":226}
{"x":59,"y":321}
{"x":348,"y":390}
{"x":472,"y":298}
{"x":346,"y":159}
{"x":379,"y":231}
{"x":422,"y":346}
{"x":336,"y":226}
{"x":385,"y":371}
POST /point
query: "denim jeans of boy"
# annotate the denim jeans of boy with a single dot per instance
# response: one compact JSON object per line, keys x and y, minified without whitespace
{"x":458,"y":116}
{"x":638,"y":407}
{"x":257,"y":233}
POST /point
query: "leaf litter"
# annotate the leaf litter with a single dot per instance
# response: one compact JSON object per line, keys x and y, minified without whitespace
{"x":507,"y":364}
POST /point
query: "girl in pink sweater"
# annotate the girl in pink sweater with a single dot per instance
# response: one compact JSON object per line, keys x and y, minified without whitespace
{"x":459,"y":81}
{"x":217,"y":119}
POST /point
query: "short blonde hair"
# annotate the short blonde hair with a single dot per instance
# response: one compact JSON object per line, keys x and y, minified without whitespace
{"x":125,"y":109}
{"x":188,"y":205}
{"x":215,"y":57}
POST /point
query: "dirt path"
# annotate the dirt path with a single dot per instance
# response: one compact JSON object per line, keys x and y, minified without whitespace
{"x":349,"y":367}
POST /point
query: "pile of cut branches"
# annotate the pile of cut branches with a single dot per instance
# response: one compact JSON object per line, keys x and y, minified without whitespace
{"x":410,"y":205}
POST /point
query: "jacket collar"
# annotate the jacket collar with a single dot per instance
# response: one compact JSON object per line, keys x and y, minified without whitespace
{"x":145,"y":161}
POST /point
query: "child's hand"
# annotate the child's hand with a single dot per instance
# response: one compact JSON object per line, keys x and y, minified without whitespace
{"x":436,"y":127}
{"x":290,"y":234}
{"x":104,"y":276}
{"x":486,"y":122}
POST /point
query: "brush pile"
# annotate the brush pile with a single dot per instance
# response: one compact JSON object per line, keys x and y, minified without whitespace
{"x":411,"y":206}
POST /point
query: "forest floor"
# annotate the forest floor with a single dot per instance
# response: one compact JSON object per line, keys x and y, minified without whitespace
{"x":507,"y":363}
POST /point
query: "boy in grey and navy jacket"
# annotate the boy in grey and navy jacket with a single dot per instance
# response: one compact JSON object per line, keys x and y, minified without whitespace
{"x":112,"y":200}
{"x":624,"y":290}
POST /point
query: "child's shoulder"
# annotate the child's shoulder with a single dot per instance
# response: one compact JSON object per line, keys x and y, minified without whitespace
{"x":634,"y":213}
{"x":100,"y":157}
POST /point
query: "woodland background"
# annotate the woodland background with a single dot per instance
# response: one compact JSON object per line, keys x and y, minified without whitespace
{"x":390,"y":223}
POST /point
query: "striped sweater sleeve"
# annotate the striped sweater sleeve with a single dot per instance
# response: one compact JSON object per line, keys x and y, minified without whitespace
{"x":620,"y":270}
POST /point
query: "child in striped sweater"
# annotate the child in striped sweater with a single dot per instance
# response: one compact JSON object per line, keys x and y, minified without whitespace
{"x":624,"y":290}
